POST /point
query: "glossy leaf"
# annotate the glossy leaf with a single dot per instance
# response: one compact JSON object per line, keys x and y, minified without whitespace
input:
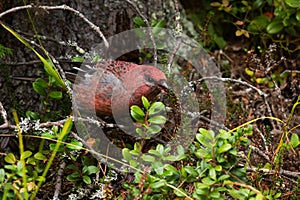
{"x":75,"y":145}
{"x":26,"y":154}
{"x":87,"y":179}
{"x":39,"y":86}
{"x":139,"y":21}
{"x":258,"y":24}
{"x":77,"y":59}
{"x":224,"y":148}
{"x":126,"y":154}
{"x":55,"y":94}
{"x":92,"y":169}
{"x":40,"y":156}
{"x":10,"y":158}
{"x":148,"y":158}
{"x":137,"y":110}
{"x":274,"y":27}
{"x":298,"y":15}
{"x":294,"y":140}
{"x":2,"y":175}
{"x":146,"y":103}
{"x":157,"y":119}
{"x":157,"y":28}
{"x":293,"y":3}
{"x":153,"y":129}
{"x":137,"y":113}
{"x":156,"y":108}
{"x":157,"y":184}
{"x":32,"y":115}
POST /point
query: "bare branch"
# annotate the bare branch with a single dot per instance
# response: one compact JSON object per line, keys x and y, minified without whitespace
{"x":4,"y":117}
{"x":61,"y":7}
{"x":59,"y":180}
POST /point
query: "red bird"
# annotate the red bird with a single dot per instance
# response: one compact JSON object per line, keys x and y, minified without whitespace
{"x":111,"y":87}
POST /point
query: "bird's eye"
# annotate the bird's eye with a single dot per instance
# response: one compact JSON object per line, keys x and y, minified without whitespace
{"x":149,"y":79}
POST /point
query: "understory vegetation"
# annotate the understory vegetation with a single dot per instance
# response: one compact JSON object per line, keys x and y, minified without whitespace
{"x":255,"y":154}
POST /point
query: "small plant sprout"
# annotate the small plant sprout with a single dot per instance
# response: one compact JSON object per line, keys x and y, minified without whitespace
{"x":149,"y":119}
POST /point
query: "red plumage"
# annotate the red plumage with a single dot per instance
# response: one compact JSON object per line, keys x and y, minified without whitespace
{"x":111,"y":87}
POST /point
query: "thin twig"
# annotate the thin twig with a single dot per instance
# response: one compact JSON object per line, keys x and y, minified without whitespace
{"x":171,"y":58}
{"x":64,"y":43}
{"x":4,"y":117}
{"x":263,"y":138}
{"x":270,"y":171}
{"x":59,"y":180}
{"x":258,"y":151}
{"x":61,"y":7}
{"x":261,"y":93}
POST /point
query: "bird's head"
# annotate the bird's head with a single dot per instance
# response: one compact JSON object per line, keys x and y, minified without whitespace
{"x":153,"y":77}
{"x":145,"y":81}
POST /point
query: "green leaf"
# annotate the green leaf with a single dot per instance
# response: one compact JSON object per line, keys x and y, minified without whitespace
{"x":139,"y":21}
{"x":39,"y":86}
{"x":224,"y":148}
{"x":146,"y":103}
{"x":191,"y":170}
{"x":223,"y":134}
{"x":215,"y":195}
{"x":208,"y":134}
{"x":32,"y":115}
{"x":274,"y":27}
{"x":212,"y":173}
{"x":77,"y":59}
{"x":171,"y":168}
{"x":223,"y":177}
{"x":257,"y":4}
{"x":42,"y":83}
{"x":208,"y":181}
{"x":298,"y":15}
{"x":137,"y":113}
{"x":74,"y":145}
{"x":219,"y":41}
{"x":154,"y":152}
{"x":157,"y":184}
{"x":206,"y":138}
{"x":126,"y":154}
{"x":153,"y":129}
{"x":10,"y":158}
{"x":138,"y":110}
{"x":180,"y":192}
{"x":74,"y":176}
{"x":55,"y":94}
{"x":133,"y":163}
{"x":258,"y":24}
{"x":160,"y":149}
{"x":157,"y":119}
{"x":293,"y":3}
{"x":148,"y":158}
{"x":26,"y":154}
{"x":2,"y":175}
{"x":137,"y":147}
{"x":40,"y":156}
{"x":156,"y":107}
{"x":87,"y":179}
{"x":294,"y":140}
{"x":139,"y":131}
{"x":92,"y":169}
{"x":158,"y":26}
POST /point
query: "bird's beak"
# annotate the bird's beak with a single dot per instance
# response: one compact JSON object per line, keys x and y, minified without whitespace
{"x":163,"y":85}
